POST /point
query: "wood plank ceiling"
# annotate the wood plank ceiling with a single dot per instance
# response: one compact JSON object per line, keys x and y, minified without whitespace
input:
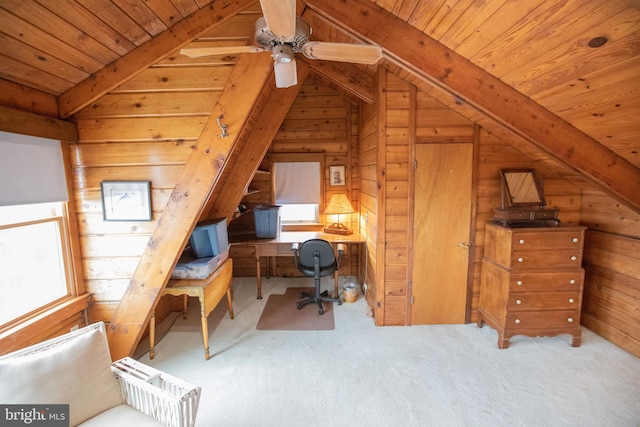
{"x":579,"y":59}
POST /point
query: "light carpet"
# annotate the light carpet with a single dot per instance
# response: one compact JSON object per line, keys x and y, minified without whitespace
{"x":362,"y":375}
{"x":281,"y":313}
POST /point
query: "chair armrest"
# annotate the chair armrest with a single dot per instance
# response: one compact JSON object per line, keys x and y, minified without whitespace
{"x":167,"y":399}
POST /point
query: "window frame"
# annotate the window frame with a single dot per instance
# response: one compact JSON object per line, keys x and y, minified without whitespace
{"x":67,"y":312}
{"x":302,"y":158}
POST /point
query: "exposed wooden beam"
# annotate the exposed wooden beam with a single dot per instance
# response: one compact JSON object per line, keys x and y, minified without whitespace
{"x":429,"y":60}
{"x":346,"y":76}
{"x":25,"y":123}
{"x":187,"y":201}
{"x":272,"y":114}
{"x":147,"y":54}
{"x":27,"y":99}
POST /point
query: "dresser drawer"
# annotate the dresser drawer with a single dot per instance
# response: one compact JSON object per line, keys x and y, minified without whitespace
{"x":527,"y":301}
{"x":550,"y":281}
{"x":541,"y":260}
{"x":554,"y":239}
{"x":543,"y":319}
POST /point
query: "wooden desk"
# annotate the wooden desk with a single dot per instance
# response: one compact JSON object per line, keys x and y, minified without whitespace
{"x":209,"y":292}
{"x":281,"y":246}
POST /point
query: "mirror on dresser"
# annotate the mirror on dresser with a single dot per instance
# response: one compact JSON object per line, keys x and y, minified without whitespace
{"x":523,"y":201}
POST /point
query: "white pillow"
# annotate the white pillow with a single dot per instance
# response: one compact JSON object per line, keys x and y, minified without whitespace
{"x":77,"y":372}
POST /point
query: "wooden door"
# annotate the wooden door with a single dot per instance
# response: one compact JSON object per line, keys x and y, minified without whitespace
{"x":442,"y":220}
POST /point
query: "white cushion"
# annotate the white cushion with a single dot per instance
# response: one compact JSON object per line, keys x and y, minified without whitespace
{"x":121,"y":415}
{"x":77,"y":372}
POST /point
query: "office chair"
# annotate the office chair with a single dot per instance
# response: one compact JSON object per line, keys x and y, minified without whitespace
{"x":315,"y":258}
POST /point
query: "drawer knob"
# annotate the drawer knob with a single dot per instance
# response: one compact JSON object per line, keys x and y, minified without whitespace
{"x":521,"y":241}
{"x":571,"y":300}
{"x":570,"y":319}
{"x":518,"y":301}
{"x":520,"y":259}
{"x":517,"y":320}
{"x":572,"y":281}
{"x":573,"y":258}
{"x":519,"y":283}
{"x":575,"y":240}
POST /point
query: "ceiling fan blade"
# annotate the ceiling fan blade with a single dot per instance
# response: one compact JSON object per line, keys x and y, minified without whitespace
{"x":286,"y":74}
{"x":343,"y":52}
{"x":280,"y":16}
{"x":197,"y":52}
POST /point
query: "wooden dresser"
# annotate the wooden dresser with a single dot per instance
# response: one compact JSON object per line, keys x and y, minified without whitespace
{"x":532,"y":280}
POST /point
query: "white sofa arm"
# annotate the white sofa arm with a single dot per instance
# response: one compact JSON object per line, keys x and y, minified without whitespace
{"x":165,"y":398}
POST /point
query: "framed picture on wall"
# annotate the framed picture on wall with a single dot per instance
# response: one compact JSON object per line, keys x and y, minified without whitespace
{"x":337,"y":176}
{"x":126,"y":200}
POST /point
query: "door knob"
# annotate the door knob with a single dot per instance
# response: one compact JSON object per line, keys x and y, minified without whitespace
{"x":464,"y":245}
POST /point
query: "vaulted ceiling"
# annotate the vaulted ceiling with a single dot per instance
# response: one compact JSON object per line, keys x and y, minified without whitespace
{"x":563,"y":75}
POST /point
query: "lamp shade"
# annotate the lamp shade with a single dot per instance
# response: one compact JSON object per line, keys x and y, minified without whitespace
{"x":339,"y":204}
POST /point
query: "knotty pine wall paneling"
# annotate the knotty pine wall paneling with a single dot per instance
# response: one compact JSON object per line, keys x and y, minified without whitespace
{"x":143,"y":130}
{"x":368,"y":193}
{"x":396,"y":198}
{"x":611,"y":301}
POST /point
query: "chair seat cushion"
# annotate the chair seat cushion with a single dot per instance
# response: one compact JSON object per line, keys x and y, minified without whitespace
{"x":76,"y":372}
{"x":121,"y":415}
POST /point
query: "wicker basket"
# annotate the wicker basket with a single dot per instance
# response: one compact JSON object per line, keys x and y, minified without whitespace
{"x":168,"y":399}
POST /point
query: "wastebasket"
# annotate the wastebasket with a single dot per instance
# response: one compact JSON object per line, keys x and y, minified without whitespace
{"x":267,"y":218}
{"x":350,"y":292}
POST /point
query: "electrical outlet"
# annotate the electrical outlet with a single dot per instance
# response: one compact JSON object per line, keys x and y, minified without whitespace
{"x":365,"y":286}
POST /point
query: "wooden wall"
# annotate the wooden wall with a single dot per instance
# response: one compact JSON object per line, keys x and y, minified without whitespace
{"x":144,"y":130}
{"x":368,"y":186}
{"x":611,"y":301}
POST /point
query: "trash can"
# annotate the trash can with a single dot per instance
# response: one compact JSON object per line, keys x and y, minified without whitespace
{"x":350,"y":292}
{"x":267,"y":218}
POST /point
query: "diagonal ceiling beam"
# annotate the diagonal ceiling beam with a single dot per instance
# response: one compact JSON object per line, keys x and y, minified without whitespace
{"x":187,"y":201}
{"x":148,"y":54}
{"x":429,"y":60}
{"x":345,"y":75}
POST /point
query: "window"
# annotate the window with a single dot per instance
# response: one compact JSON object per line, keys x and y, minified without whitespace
{"x":32,"y":259}
{"x":35,"y":259}
{"x":297,"y":182}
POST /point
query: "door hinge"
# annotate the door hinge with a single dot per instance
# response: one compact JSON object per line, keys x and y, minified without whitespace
{"x":412,"y":300}
{"x":415,"y":164}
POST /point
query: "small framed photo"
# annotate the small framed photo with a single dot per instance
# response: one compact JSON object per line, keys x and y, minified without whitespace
{"x":337,"y":176}
{"x":126,"y":200}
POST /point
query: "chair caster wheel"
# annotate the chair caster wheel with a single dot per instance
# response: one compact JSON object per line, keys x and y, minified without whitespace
{"x":321,"y":311}
{"x":339,"y":302}
{"x":299,"y":306}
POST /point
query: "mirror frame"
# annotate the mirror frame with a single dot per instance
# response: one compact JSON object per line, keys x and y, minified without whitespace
{"x":508,"y":192}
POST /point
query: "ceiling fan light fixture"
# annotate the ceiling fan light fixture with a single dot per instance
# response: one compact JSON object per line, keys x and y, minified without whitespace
{"x":283,"y":54}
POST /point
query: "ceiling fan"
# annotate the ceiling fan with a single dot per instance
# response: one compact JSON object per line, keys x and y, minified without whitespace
{"x":283,"y":34}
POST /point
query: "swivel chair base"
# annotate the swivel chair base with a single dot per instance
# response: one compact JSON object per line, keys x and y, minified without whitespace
{"x":311,"y":298}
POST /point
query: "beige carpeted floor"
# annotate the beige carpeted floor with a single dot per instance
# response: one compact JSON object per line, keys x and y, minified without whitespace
{"x":362,"y":375}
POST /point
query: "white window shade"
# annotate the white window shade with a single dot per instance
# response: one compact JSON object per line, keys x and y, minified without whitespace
{"x":297,"y":182}
{"x":31,"y":170}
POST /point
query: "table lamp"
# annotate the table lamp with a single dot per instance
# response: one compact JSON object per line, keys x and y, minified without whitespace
{"x":338,"y":205}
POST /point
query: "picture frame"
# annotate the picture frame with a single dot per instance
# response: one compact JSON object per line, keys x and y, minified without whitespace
{"x":126,"y":200}
{"x":337,"y":176}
